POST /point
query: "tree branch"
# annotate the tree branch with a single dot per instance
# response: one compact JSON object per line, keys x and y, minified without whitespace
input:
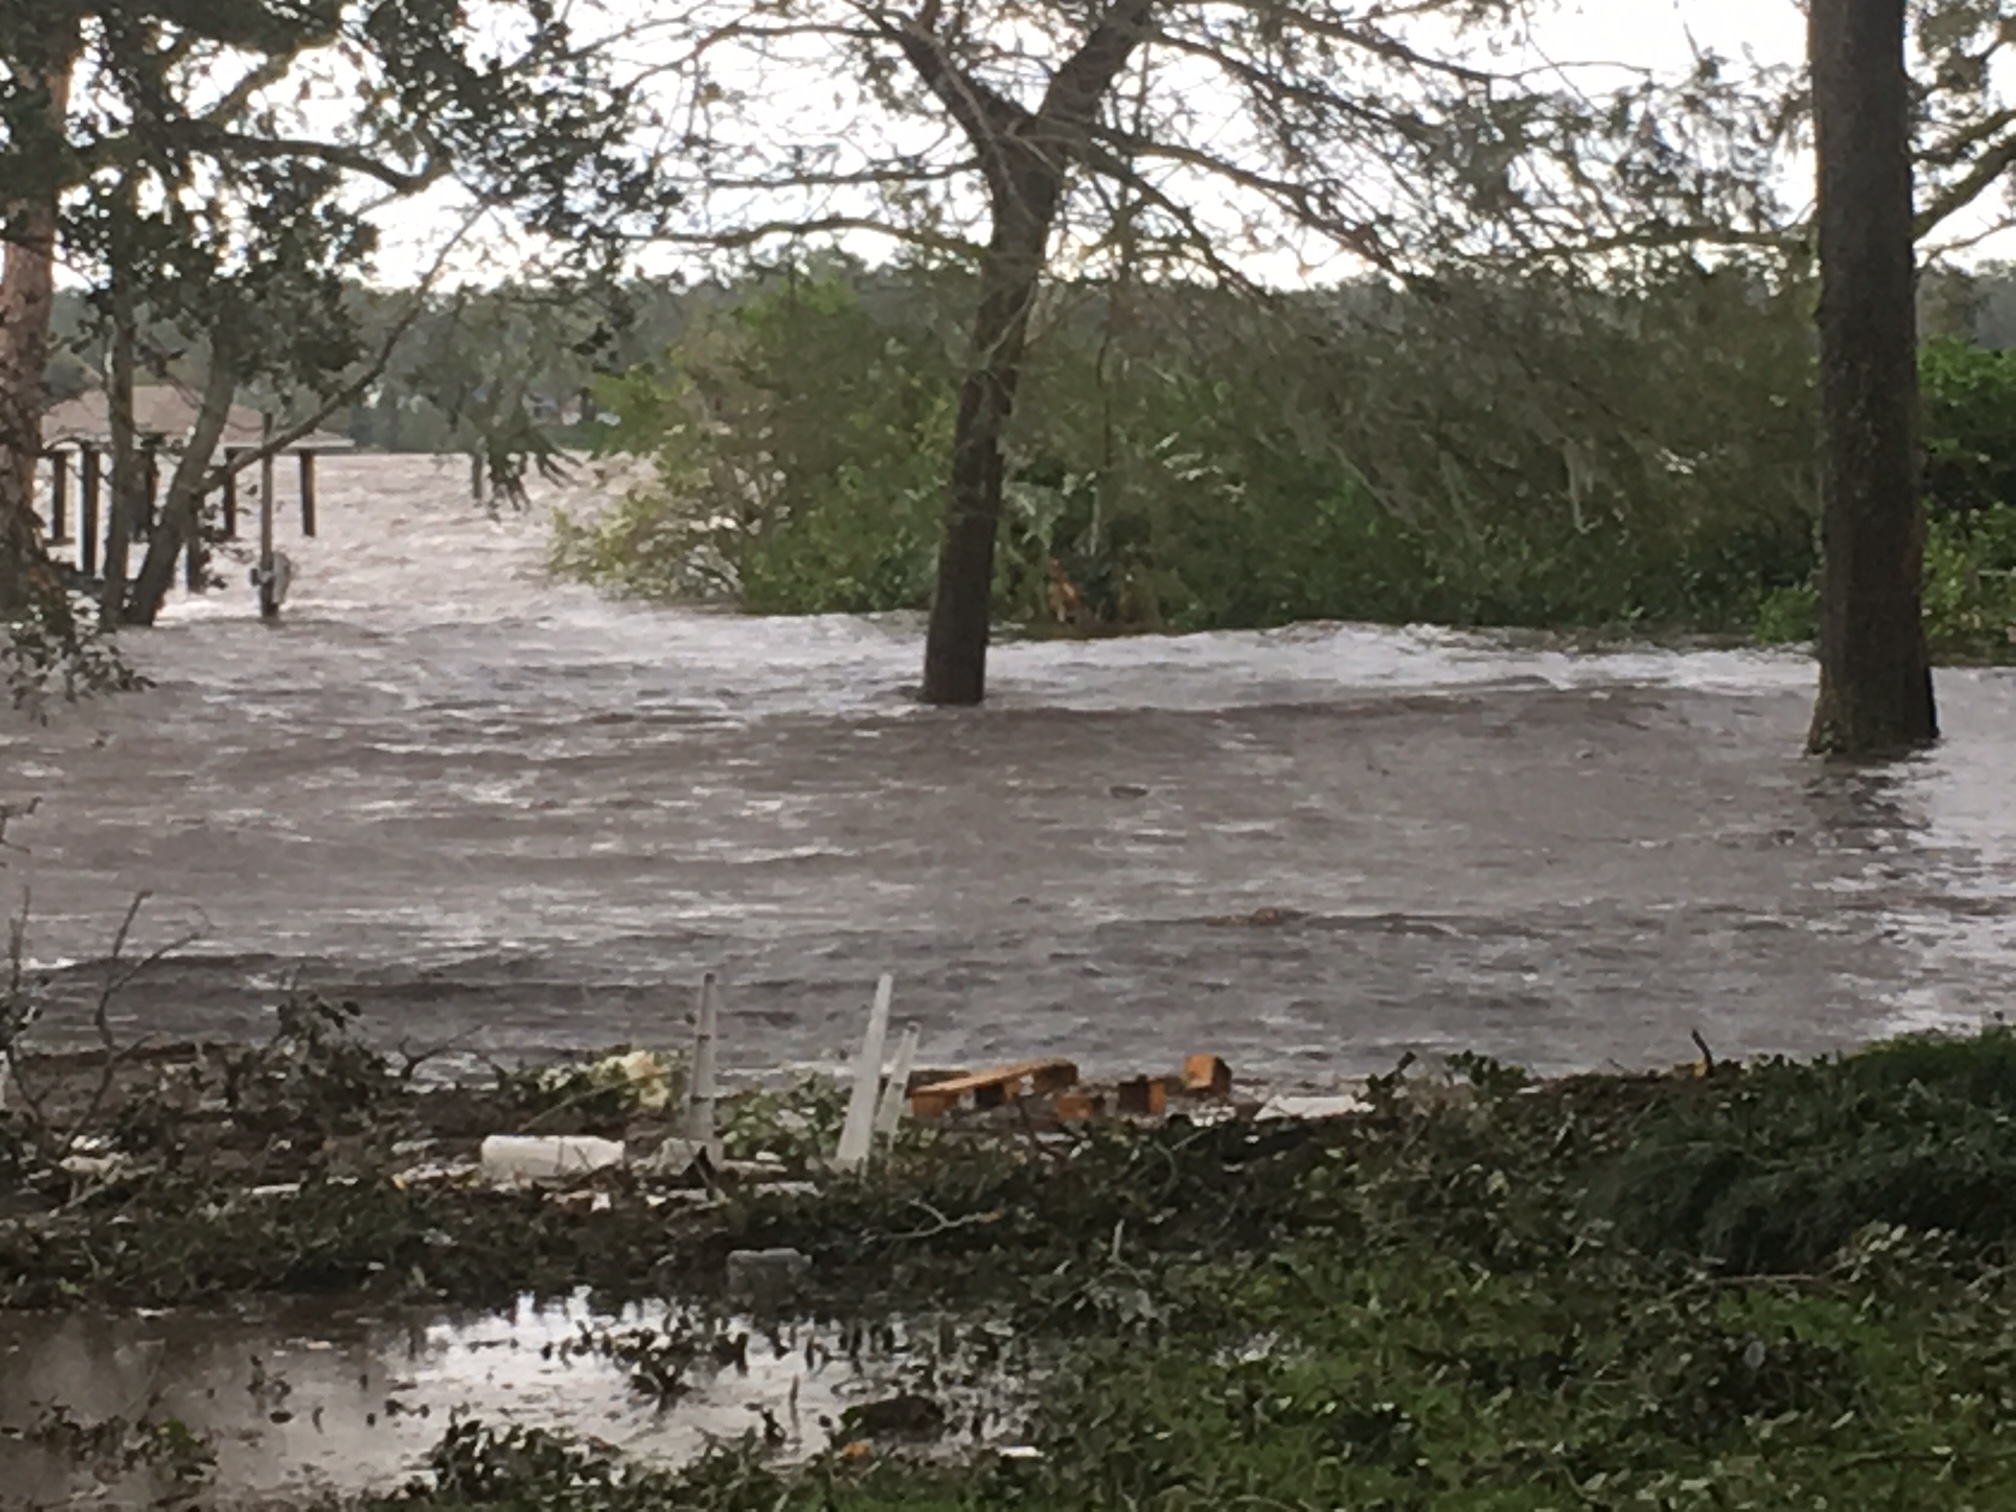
{"x":351,"y":391}
{"x":761,"y":231}
{"x":1989,"y":167}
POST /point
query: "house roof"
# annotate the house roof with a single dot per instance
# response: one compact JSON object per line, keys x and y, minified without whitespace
{"x":167,"y":412}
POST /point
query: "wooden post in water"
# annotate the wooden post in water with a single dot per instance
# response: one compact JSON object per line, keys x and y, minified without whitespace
{"x":307,"y":493}
{"x":150,"y":490}
{"x":269,"y":597}
{"x":59,"y":497}
{"x":194,"y":554}
{"x":87,"y":513}
{"x":476,"y":476}
{"x":230,"y":496}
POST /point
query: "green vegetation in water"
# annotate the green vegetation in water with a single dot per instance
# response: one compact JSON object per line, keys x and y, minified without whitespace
{"x":1545,"y":457}
{"x":1773,"y":1285}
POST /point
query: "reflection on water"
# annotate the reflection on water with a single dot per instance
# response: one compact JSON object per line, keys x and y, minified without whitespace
{"x":301,"y":1400}
{"x":512,"y":814}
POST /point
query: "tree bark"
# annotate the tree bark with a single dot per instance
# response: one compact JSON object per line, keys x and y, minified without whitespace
{"x":955,"y":647}
{"x":27,"y":296}
{"x":1875,"y":678}
{"x":124,"y":505}
{"x":180,"y":518}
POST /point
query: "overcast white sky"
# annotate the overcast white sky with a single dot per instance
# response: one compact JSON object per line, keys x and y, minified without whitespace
{"x":1652,"y":31}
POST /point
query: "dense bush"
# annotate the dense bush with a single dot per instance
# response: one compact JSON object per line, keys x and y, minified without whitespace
{"x":1780,"y":1169}
{"x":1970,"y":426}
{"x":799,"y":447}
{"x":1463,"y":453}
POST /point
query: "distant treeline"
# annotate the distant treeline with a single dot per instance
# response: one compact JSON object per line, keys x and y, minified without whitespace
{"x":516,"y":358}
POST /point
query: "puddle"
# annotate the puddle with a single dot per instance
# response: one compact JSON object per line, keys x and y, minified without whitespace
{"x":302,"y":1401}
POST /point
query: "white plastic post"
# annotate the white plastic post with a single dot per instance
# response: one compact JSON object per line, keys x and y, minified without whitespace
{"x":890,"y":1113}
{"x":700,"y":1080}
{"x":859,"y":1130}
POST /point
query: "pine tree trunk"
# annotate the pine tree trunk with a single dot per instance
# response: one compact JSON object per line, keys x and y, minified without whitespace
{"x":27,"y":297}
{"x":1875,"y":678}
{"x":955,"y":648}
{"x":125,"y":456}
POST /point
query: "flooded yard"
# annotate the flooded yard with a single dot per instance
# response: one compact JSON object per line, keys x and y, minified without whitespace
{"x":511,"y":817}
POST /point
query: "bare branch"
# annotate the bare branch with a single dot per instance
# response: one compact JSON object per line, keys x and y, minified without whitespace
{"x":1957,"y":196}
{"x":742,"y":236}
{"x":119,"y":975}
{"x":236,"y":462}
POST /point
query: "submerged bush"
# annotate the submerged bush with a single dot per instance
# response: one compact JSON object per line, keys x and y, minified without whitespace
{"x":798,"y":444}
{"x":1462,"y":453}
{"x":1468,"y":453}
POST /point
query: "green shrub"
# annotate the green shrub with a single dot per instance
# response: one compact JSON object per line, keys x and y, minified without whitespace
{"x":799,"y":445}
{"x":1779,"y":1167}
{"x":1969,"y":395}
{"x":1546,"y":456}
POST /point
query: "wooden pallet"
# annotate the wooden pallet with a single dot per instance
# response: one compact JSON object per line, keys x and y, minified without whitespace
{"x":993,"y":1087}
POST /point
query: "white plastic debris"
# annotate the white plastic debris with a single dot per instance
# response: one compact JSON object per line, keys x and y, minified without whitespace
{"x":513,"y":1159}
{"x":677,"y":1157}
{"x":1300,"y":1105}
{"x":859,"y":1131}
{"x":890,"y":1113}
{"x":700,"y":1089}
{"x":93,"y":1167}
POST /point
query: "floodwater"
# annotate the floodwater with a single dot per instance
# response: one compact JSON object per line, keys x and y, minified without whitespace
{"x":508,"y":815}
{"x":296,"y":1402}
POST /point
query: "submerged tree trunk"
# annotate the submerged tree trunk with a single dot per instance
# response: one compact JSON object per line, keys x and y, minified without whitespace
{"x":1875,"y":678}
{"x":955,"y":648}
{"x":1025,"y":157}
{"x":27,"y":296}
{"x":125,"y":457}
{"x":181,"y":517}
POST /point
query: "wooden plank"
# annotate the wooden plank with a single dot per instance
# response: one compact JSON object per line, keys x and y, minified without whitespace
{"x":1207,"y":1074}
{"x":993,"y":1087}
{"x":1144,"y":1095}
{"x":307,"y":462}
{"x":1075,"y":1107}
{"x":59,"y":498}
{"x":87,"y":513}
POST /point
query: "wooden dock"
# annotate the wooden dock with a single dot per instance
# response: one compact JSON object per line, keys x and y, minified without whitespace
{"x":77,"y":447}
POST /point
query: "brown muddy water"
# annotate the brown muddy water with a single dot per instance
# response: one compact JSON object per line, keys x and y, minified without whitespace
{"x":508,"y":814}
{"x":296,"y":1402}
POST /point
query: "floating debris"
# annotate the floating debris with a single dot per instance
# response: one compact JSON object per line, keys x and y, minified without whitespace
{"x":522,"y":1159}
